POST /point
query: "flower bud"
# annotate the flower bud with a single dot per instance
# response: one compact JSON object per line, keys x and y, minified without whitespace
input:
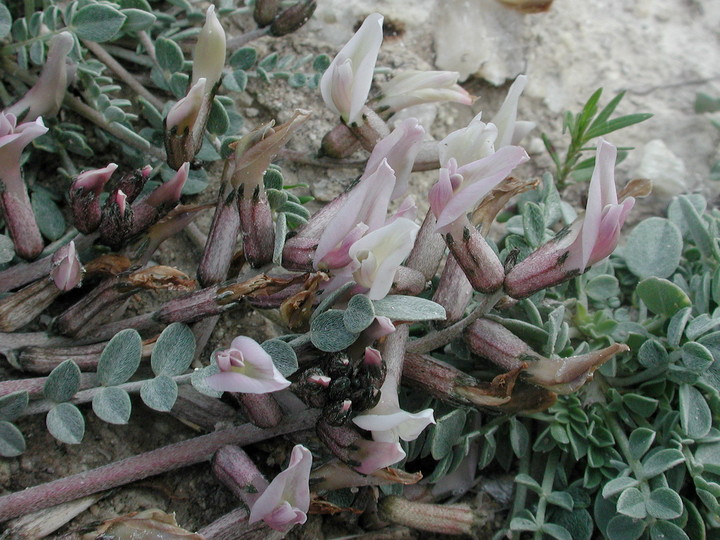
{"x":410,"y":88}
{"x":116,"y":220}
{"x":85,"y":197}
{"x":67,"y":271}
{"x":265,"y":11}
{"x":293,"y":18}
{"x":209,"y":53}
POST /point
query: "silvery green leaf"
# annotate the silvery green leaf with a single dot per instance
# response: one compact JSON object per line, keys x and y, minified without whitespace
{"x":519,"y":437}
{"x":408,"y":308}
{"x":294,"y":208}
{"x":553,"y":324}
{"x":652,"y":354}
{"x":661,"y":461}
{"x":218,"y":121}
{"x":12,"y":405}
{"x":676,"y":215}
{"x":63,"y":382}
{"x":12,"y":442}
{"x":321,"y":63}
{"x":625,"y":528}
{"x":174,"y":350}
{"x":617,"y":485}
{"x":49,"y":218}
{"x":65,"y":422}
{"x":664,"y":503}
{"x":665,"y":530}
{"x":7,"y":249}
{"x":677,"y":324}
{"x":653,"y":248}
{"x":524,"y":521}
{"x":178,"y":84}
{"x":556,"y":531}
{"x":328,"y":332}
{"x":5,"y":21}
{"x":662,"y":296}
{"x":159,"y":393}
{"x":696,"y":357}
{"x":695,"y":415}
{"x":641,"y":440}
{"x":198,"y":380}
{"x":446,"y":432}
{"x":632,"y":503}
{"x":698,"y":229}
{"x":330,"y":299}
{"x":533,"y":224}
{"x":112,"y":405}
{"x":137,"y":19}
{"x":169,"y":55}
{"x":244,"y":58}
{"x":700,"y":325}
{"x":120,"y":358}
{"x":441,"y":469}
{"x":283,"y":356}
{"x":97,"y":22}
{"x":529,"y":482}
{"x":281,"y":230}
{"x":297,"y":80}
{"x":602,"y":287}
{"x":359,"y":313}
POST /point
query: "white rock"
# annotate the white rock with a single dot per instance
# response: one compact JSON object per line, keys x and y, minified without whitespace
{"x":479,"y":37}
{"x":665,"y":169}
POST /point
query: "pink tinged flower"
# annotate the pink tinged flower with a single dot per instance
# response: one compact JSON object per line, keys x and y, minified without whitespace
{"x":400,"y":149}
{"x":45,"y":98}
{"x":604,"y":217}
{"x":246,"y":367}
{"x":510,"y":130}
{"x":377,"y":256}
{"x":285,"y":502}
{"x":388,"y":422}
{"x":320,"y":380}
{"x":366,"y":204}
{"x":380,"y":327}
{"x":587,"y":241}
{"x":13,"y":140}
{"x":67,"y":271}
{"x":413,"y":87}
{"x":460,"y":189}
{"x":372,"y":357}
{"x":209,"y":53}
{"x":375,"y":455}
{"x":345,"y":85}
{"x":468,"y":144}
{"x":94,"y":180}
{"x":170,"y":191}
{"x":183,"y":114}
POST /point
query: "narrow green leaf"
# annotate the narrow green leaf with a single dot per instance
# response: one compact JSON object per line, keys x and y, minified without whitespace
{"x":529,"y":482}
{"x":533,"y":224}
{"x":97,"y":22}
{"x":519,"y":438}
{"x":137,"y":19}
{"x":281,"y":230}
{"x":607,"y":111}
{"x":616,"y":124}
{"x":174,"y":350}
{"x":63,"y":382}
{"x":120,"y":358}
{"x":65,"y":422}
{"x":159,"y":393}
{"x":112,"y":405}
